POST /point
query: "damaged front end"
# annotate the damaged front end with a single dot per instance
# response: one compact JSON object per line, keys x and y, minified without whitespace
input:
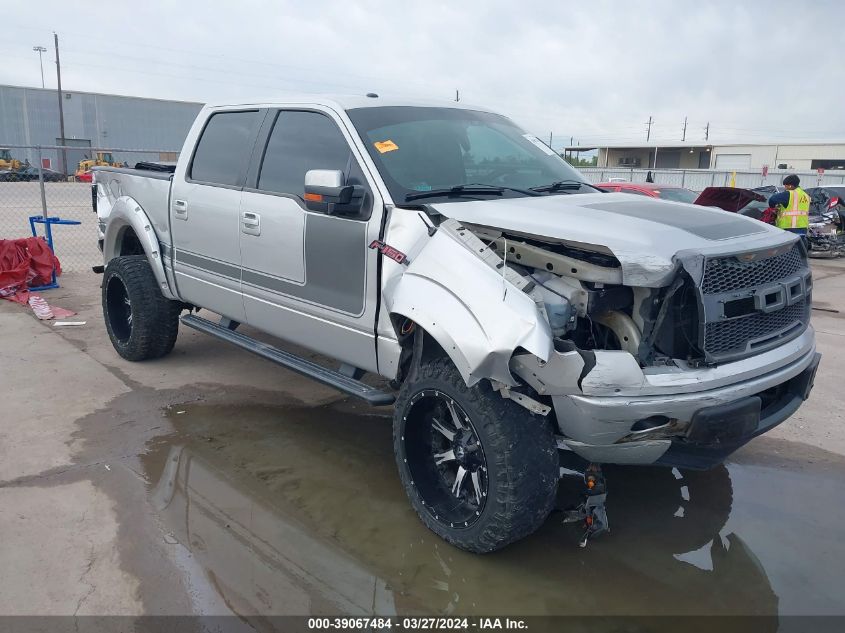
{"x":628,"y":371}
{"x":687,"y":373}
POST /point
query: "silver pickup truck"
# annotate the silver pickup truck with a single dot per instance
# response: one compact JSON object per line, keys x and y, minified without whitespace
{"x":520,"y":315}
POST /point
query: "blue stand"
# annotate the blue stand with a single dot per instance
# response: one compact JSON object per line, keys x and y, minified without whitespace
{"x":48,"y":235}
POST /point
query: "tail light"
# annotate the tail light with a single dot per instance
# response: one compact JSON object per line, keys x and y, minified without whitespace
{"x":832,"y":202}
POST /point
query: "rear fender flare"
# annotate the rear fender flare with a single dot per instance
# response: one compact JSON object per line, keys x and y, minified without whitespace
{"x":125,"y":214}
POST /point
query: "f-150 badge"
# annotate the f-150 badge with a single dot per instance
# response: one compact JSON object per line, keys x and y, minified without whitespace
{"x":388,"y":251}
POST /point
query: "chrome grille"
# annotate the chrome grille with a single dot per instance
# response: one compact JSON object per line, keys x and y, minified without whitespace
{"x":733,"y":336}
{"x":726,"y":274}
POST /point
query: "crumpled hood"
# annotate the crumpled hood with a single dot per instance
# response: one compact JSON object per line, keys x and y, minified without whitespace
{"x":644,"y":234}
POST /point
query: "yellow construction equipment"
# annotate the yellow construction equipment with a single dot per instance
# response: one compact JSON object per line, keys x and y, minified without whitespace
{"x":7,"y":162}
{"x":101,"y":159}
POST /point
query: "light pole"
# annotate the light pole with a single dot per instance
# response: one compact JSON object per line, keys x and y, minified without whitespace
{"x":39,"y":50}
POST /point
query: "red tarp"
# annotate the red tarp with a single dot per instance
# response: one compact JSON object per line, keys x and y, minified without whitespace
{"x":23,"y":263}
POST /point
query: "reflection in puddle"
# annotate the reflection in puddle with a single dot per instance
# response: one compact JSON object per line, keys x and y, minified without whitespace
{"x":300,"y":511}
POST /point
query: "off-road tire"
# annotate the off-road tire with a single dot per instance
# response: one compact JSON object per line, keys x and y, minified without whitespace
{"x":151,"y":332}
{"x":521,"y":456}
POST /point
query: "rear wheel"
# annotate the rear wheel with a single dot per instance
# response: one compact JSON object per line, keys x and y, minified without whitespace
{"x":480,"y":471}
{"x":141,"y":322}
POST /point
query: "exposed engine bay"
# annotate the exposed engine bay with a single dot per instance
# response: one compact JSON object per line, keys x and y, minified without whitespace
{"x":579,"y":292}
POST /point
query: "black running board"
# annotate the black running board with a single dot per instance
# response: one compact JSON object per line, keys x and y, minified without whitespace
{"x":295,"y":363}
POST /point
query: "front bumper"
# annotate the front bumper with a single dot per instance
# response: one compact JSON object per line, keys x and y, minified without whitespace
{"x":712,"y":424}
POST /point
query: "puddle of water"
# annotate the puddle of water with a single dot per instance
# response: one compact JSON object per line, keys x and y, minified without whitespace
{"x":300,"y":511}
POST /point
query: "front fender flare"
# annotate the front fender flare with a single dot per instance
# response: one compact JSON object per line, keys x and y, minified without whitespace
{"x":125,"y":214}
{"x":477,"y":318}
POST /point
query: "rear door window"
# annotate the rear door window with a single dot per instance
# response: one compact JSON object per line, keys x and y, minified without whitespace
{"x":224,"y":148}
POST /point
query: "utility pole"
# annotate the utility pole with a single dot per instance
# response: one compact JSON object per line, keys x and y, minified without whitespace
{"x":61,"y":111}
{"x":707,"y":131}
{"x":39,"y":50}
{"x":684,"y":137}
{"x":648,"y":128}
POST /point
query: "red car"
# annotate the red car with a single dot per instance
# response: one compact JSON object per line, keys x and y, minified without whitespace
{"x":664,"y":192}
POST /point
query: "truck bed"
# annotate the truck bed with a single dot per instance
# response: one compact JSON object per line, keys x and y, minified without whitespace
{"x":148,"y":189}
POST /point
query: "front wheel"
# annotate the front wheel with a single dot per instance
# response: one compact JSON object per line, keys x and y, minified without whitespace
{"x":480,"y":471}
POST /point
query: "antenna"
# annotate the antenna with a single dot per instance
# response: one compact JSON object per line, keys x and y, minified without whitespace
{"x":428,"y":227}
{"x":648,"y":128}
{"x":707,"y":131}
{"x":684,"y":137}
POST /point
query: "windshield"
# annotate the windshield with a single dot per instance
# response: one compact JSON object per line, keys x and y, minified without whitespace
{"x":678,"y":194}
{"x":418,"y":149}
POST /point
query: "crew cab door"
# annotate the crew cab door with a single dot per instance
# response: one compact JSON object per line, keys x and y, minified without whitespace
{"x":204,"y":211}
{"x":308,"y":277}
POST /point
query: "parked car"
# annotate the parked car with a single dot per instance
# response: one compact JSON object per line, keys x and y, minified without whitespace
{"x":514,"y":310}
{"x":734,"y":199}
{"x":826,"y":231}
{"x":31,"y":173}
{"x":768,"y":190}
{"x":830,"y":198}
{"x":653,"y":190}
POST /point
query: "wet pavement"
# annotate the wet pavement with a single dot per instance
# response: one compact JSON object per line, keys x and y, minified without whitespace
{"x":299,"y":510}
{"x":210,"y":482}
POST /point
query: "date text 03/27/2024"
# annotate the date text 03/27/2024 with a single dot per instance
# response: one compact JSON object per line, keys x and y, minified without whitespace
{"x":418,"y":623}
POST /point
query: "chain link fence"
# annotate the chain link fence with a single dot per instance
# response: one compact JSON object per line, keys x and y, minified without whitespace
{"x":698,"y":179}
{"x":32,"y":186}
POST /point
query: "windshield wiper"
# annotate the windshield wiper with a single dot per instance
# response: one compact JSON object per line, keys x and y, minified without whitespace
{"x":468,"y":190}
{"x":563,"y":185}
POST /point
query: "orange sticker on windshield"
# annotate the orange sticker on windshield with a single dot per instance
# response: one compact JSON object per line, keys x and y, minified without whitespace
{"x":386,"y":146}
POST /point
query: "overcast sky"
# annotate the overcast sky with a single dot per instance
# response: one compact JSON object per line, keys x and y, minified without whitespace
{"x":592,"y":70}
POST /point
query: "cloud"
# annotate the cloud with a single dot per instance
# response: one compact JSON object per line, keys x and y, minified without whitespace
{"x":594,"y":70}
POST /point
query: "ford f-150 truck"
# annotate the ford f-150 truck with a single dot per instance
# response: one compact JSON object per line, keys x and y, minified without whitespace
{"x":519,"y":314}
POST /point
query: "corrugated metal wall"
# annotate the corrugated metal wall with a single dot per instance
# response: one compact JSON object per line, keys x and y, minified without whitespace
{"x":29,"y":116}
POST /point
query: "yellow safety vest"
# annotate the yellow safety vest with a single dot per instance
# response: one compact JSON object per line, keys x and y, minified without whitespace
{"x":796,"y":215}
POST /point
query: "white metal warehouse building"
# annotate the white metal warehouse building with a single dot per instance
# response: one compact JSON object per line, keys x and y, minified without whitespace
{"x":797,"y":156}
{"x":30,"y":116}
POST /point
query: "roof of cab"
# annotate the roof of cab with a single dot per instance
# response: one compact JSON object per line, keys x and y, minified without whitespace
{"x":346,"y":102}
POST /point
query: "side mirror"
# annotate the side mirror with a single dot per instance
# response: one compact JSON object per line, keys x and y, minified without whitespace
{"x":326,"y":193}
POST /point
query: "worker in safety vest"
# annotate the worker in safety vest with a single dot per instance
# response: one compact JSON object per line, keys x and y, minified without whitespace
{"x":793,"y":206}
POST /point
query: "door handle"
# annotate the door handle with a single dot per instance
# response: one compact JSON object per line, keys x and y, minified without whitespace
{"x":251,"y":223}
{"x":180,"y":209}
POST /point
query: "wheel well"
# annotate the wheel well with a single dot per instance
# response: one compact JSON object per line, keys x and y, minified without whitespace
{"x":417,"y":345}
{"x":129,"y":244}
